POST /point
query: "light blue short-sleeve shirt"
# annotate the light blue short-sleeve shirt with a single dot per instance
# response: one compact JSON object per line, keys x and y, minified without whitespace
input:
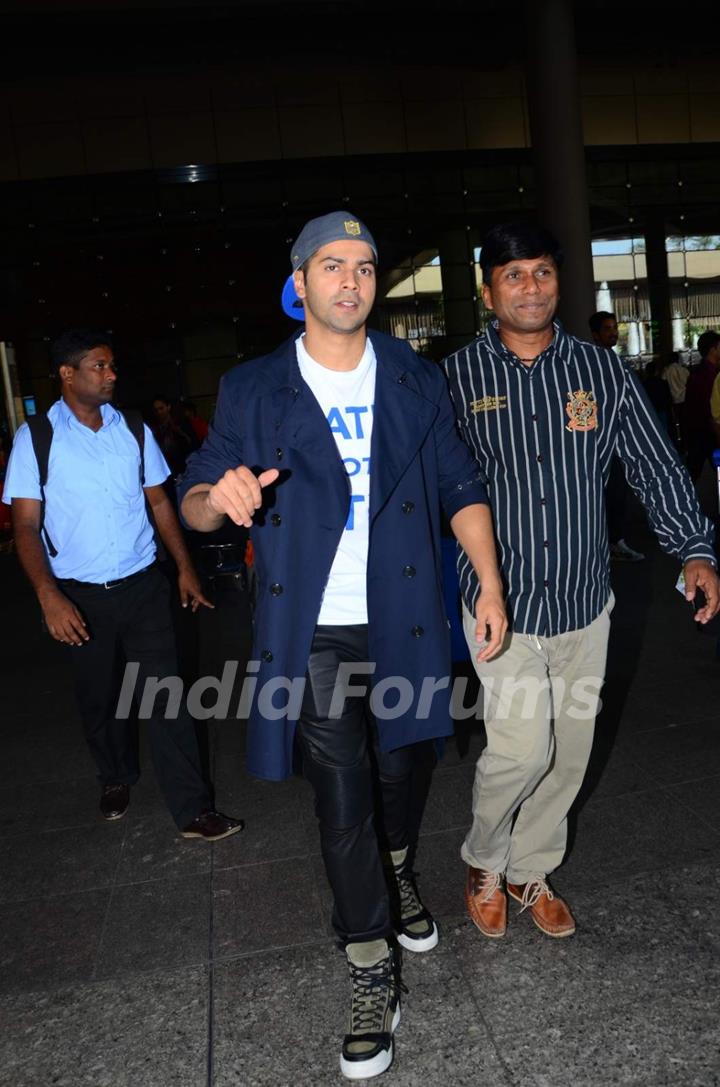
{"x":94,"y":502}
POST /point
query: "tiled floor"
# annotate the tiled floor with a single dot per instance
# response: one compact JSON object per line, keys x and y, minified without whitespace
{"x":131,"y":957}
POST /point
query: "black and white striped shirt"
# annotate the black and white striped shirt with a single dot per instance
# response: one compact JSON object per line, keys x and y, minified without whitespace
{"x":545,"y":435}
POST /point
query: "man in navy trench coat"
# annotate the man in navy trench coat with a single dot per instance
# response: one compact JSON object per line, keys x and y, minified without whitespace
{"x":348,"y":564}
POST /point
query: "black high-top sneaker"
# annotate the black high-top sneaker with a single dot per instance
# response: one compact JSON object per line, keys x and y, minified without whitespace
{"x":414,"y":925}
{"x":375,"y":1012}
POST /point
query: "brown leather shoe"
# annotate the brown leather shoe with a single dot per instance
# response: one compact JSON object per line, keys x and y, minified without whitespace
{"x":549,"y":912}
{"x":486,"y":901}
{"x":212,"y":826}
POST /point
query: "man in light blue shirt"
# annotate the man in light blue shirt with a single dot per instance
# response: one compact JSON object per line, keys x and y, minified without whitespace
{"x":90,"y":556}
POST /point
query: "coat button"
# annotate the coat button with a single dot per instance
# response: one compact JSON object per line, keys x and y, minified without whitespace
{"x":417,"y":632}
{"x":279,"y":454}
{"x":276,"y":588}
{"x":408,"y":507}
{"x":266,"y":655}
{"x":276,"y":519}
{"x":409,"y":571}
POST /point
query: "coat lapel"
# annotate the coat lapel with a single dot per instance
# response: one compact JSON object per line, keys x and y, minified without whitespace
{"x":301,"y":426}
{"x":401,"y":421}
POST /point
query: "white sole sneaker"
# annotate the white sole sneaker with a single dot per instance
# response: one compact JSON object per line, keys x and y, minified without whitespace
{"x":377,"y":1064}
{"x":426,"y":944}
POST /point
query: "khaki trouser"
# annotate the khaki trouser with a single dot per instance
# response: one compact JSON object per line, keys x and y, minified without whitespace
{"x":541,"y":696}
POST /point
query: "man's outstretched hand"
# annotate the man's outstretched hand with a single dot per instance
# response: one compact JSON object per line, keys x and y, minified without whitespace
{"x":239,"y":493}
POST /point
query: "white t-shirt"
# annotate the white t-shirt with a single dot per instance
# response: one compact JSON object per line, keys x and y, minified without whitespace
{"x":347,"y":401}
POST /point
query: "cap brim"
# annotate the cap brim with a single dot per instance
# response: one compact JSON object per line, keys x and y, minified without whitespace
{"x":291,"y":304}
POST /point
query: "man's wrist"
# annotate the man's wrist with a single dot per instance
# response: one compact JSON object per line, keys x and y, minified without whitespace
{"x":47,"y":591}
{"x":711,"y":561}
{"x":491,"y":585}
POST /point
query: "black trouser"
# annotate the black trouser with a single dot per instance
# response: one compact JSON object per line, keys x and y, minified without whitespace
{"x":132,"y":622}
{"x":362,"y":794}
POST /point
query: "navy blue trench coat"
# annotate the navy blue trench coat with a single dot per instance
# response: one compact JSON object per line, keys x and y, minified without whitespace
{"x":267,"y":417}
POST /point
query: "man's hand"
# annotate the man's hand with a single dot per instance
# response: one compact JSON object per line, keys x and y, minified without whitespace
{"x":701,"y":574}
{"x":190,"y":589}
{"x":63,"y":620}
{"x":239,"y":493}
{"x":491,"y":623}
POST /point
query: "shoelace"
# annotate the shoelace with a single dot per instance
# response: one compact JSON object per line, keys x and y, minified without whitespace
{"x":535,"y":888}
{"x":372,"y":986}
{"x":410,"y":903}
{"x":491,"y":883}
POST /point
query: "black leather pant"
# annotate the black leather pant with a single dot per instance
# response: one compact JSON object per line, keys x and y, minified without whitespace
{"x":362,"y":795}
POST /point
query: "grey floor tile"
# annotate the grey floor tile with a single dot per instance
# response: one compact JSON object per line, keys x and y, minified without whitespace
{"x":511,"y":978}
{"x":656,"y":701}
{"x":669,"y":1042}
{"x":449,"y":803}
{"x":154,"y":850}
{"x":159,"y":924}
{"x":614,"y":773}
{"x":303,"y":996}
{"x":22,"y":809}
{"x":240,"y":792}
{"x":675,"y":755}
{"x":260,"y":906}
{"x":441,"y":872}
{"x":59,"y":861}
{"x":700,"y":797}
{"x":142,"y":1031}
{"x":639,"y":832}
{"x":146,"y":800}
{"x":49,"y":806}
{"x":44,"y":945}
{"x":74,"y":803}
{"x":268,"y":836}
{"x":298,"y":995}
{"x":632,"y":943}
{"x":32,"y":761}
{"x":693,"y":891}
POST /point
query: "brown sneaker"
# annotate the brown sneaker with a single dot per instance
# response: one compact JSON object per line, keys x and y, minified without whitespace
{"x":486,"y":901}
{"x":551,"y":915}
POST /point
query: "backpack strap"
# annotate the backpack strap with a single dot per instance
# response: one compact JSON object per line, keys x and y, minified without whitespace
{"x":41,"y":434}
{"x":136,"y":426}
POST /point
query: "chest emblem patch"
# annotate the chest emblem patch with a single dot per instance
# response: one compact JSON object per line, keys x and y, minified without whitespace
{"x":582,"y":410}
{"x":488,"y":403}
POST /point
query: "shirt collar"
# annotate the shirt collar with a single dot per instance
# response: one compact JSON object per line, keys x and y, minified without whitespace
{"x":559,"y":342}
{"x":110,"y":415}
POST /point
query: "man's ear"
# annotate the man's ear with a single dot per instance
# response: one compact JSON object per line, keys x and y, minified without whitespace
{"x":487,"y":296}
{"x":66,"y":372}
{"x":299,"y":283}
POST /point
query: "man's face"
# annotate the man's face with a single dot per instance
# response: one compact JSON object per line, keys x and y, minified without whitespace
{"x":92,"y":382}
{"x":338,"y":288}
{"x":607,"y":335}
{"x":161,"y":410}
{"x":523,"y":294}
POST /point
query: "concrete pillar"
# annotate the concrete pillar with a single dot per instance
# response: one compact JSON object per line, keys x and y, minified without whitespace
{"x":658,"y":285}
{"x":558,"y":151}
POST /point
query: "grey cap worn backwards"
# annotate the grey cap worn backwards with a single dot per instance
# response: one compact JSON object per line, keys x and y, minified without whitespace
{"x":334,"y":227}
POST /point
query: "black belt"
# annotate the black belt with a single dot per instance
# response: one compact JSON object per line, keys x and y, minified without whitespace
{"x":108,"y":584}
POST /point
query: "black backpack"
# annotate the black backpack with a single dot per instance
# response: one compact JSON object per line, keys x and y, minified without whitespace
{"x":41,"y":433}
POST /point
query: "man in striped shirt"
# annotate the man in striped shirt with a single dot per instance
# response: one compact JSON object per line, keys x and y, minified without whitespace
{"x":544,"y":414}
